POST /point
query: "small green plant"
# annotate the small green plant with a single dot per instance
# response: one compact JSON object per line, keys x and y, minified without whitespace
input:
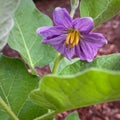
{"x":77,"y":78}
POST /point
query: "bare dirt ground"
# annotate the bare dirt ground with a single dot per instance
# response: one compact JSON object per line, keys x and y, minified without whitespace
{"x":111,"y":30}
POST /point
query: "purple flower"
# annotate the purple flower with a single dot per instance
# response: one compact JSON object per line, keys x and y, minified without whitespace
{"x":72,"y":37}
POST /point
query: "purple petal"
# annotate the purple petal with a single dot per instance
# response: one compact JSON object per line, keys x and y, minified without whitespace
{"x":48,"y":32}
{"x":89,"y":45}
{"x":62,"y":17}
{"x":84,"y":25}
{"x":55,"y":41}
{"x":67,"y":52}
{"x":41,"y":30}
{"x":59,"y":44}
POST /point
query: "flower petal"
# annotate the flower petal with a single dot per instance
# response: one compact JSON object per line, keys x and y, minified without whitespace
{"x":55,"y":41}
{"x":62,"y":17}
{"x":41,"y":30}
{"x":84,"y":25}
{"x":67,"y":52}
{"x":49,"y":32}
{"x":59,"y":44}
{"x":89,"y":45}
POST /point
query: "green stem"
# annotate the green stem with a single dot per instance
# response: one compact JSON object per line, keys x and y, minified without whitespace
{"x":56,"y":63}
{"x":8,"y":110}
{"x":74,"y":6}
{"x":72,"y":13}
{"x":46,"y":116}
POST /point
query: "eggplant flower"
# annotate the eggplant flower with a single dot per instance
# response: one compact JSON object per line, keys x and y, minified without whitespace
{"x":72,"y":37}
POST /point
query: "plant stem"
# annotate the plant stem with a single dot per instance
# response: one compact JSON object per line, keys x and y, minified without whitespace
{"x":8,"y":110}
{"x":74,"y":6}
{"x":46,"y":116}
{"x":72,"y":13}
{"x":56,"y":63}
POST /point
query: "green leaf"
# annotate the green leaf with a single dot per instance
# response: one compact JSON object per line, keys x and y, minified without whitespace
{"x":96,"y":85}
{"x":7,"y":9}
{"x":24,"y":38}
{"x":31,"y":111}
{"x":69,"y":92}
{"x":99,"y":10}
{"x":108,"y":62}
{"x":73,"y":116}
{"x":112,"y":9}
{"x":15,"y":86}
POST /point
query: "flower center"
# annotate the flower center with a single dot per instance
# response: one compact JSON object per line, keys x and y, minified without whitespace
{"x":72,"y":39}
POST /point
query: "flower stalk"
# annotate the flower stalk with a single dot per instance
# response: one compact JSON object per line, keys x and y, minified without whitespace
{"x":56,"y":63}
{"x":8,"y":110}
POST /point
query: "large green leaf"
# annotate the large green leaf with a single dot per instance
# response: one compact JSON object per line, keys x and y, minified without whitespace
{"x":64,"y":93}
{"x":109,"y":62}
{"x":24,"y":39}
{"x":99,"y":10}
{"x":7,"y":8}
{"x":100,"y":82}
{"x":15,"y":85}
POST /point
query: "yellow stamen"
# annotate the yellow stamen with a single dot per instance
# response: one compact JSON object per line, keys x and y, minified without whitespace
{"x":77,"y":39}
{"x":72,"y":45}
{"x":72,"y":39}
{"x":68,"y":39}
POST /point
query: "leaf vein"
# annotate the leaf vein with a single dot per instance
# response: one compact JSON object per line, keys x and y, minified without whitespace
{"x":25,"y":45}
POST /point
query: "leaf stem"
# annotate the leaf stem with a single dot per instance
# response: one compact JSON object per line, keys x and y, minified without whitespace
{"x":46,"y":116}
{"x":8,"y":110}
{"x":56,"y":63}
{"x":72,"y":13}
{"x":74,"y":6}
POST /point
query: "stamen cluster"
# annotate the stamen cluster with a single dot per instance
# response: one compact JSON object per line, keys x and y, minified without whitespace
{"x":73,"y":38}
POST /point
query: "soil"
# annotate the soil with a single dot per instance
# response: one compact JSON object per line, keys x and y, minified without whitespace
{"x":111,"y":30}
